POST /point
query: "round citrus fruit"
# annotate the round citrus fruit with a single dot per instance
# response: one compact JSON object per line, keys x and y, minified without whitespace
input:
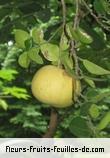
{"x":53,"y":86}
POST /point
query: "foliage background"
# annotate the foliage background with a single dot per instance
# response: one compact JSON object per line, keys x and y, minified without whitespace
{"x":21,"y":115}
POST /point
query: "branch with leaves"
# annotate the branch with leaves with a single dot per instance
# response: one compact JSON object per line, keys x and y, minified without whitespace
{"x":95,"y":17}
{"x":73,"y":42}
{"x":54,"y":115}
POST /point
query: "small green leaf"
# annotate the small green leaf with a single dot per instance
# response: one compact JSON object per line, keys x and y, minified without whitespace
{"x":16,"y":92}
{"x":24,"y":60}
{"x":79,"y":34}
{"x":104,"y":122}
{"x":64,"y":43}
{"x":34,"y":55}
{"x":20,"y":37}
{"x":100,"y":96}
{"x":106,"y":5}
{"x":31,"y":111}
{"x":90,"y":82}
{"x":84,"y":110}
{"x":66,"y":59}
{"x":3,"y":104}
{"x":8,"y":74}
{"x":94,"y":111}
{"x":28,"y":43}
{"x":37,"y":35}
{"x":50,"y":51}
{"x":73,"y":32}
{"x":95,"y":69}
{"x":99,"y":6}
{"x":100,"y":32}
{"x":83,"y":36}
{"x":98,"y":42}
{"x":79,"y":127}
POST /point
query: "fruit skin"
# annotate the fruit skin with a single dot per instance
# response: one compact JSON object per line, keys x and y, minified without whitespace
{"x":53,"y":86}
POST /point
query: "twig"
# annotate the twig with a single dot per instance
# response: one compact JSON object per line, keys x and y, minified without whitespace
{"x":95,"y":17}
{"x":52,"y":125}
{"x":63,"y":12}
{"x":64,"y":28}
{"x":76,"y":19}
{"x":73,"y":42}
{"x":73,"y":52}
{"x":64,"y":19}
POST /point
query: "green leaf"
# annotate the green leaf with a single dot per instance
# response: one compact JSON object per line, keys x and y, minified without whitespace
{"x":72,"y":32}
{"x":24,"y":60}
{"x":20,"y":37}
{"x":34,"y":55}
{"x":4,"y":12}
{"x":94,"y":111}
{"x":50,"y":51}
{"x":3,"y":104}
{"x":106,"y":5}
{"x":37,"y":35}
{"x":101,"y":33}
{"x":39,"y":126}
{"x":99,"y":6}
{"x":95,"y":69}
{"x":84,"y":110}
{"x":28,"y":43}
{"x":100,"y":96}
{"x":98,"y":41}
{"x":8,"y":74}
{"x":31,"y":111}
{"x":66,"y":59}
{"x":83,"y":36}
{"x":79,"y":34}
{"x":68,"y":29}
{"x":90,"y":82}
{"x":64,"y":43}
{"x":79,"y":127}
{"x":104,"y":122}
{"x":16,"y":92}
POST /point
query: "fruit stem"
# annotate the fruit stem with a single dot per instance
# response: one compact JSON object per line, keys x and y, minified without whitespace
{"x":52,"y":124}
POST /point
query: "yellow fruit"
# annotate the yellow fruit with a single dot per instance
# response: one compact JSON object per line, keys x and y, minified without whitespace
{"x":53,"y":86}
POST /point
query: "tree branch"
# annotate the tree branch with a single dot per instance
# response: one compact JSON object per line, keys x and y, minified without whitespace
{"x":52,"y":125}
{"x":63,"y":12}
{"x":73,"y":42}
{"x":76,"y":19}
{"x":95,"y":17}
